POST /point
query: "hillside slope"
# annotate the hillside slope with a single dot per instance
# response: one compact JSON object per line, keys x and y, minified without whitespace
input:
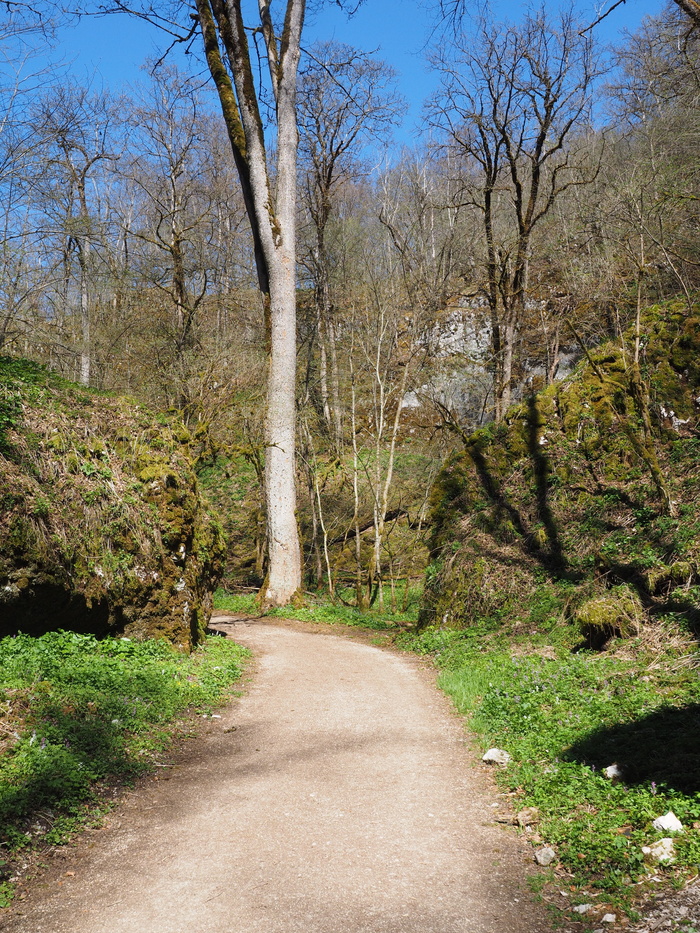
{"x":582,"y":506}
{"x":102,"y":528}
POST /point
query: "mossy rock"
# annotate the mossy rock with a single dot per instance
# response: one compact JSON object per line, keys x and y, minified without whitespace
{"x":103,"y":529}
{"x":618,"y":613}
{"x":665,"y":578}
{"x":565,"y":491}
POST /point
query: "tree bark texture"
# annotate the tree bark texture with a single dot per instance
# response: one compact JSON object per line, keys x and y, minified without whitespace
{"x":271,"y":212}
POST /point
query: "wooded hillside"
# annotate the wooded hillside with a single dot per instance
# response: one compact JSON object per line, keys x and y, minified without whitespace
{"x":554,"y":193}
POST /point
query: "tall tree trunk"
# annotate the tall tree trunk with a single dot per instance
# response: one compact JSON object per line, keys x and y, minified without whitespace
{"x":328,"y":351}
{"x":284,"y":577}
{"x":335,"y":387}
{"x":383,"y":497}
{"x":272,"y":214}
{"x":362,"y":601}
{"x":312,"y":486}
{"x":323,"y":366}
{"x":506,"y":388}
{"x":83,"y":245}
{"x":85,"y":349}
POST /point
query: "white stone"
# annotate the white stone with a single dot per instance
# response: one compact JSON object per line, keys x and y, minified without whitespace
{"x":582,"y":908}
{"x":609,"y":918}
{"x":613,"y":771}
{"x":496,"y":756}
{"x":662,"y":851}
{"x":545,"y":856}
{"x":669,"y":822}
{"x":670,"y":414}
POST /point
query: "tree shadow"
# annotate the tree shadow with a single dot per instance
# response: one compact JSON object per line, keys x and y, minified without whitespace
{"x":685,"y":609}
{"x":662,"y":747}
{"x":550,"y":553}
{"x":541,"y":471}
{"x":56,"y":769}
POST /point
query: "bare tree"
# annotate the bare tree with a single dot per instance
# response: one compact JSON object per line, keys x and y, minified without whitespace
{"x":272,"y":214}
{"x":452,"y":11}
{"x":171,"y":223}
{"x":75,"y":133}
{"x":24,"y":39}
{"x":346,"y":98}
{"x":691,"y":8}
{"x":269,"y":191}
{"x":654,"y":174}
{"x":511,"y":102}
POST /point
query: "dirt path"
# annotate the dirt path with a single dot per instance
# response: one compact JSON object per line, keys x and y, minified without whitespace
{"x":334,"y":797}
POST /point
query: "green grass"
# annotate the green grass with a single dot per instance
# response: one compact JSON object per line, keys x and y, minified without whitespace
{"x":322,"y":610}
{"x":566,"y":717}
{"x":77,"y":712}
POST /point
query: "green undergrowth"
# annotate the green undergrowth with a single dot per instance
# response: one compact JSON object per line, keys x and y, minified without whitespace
{"x":232,"y":487}
{"x":564,"y":716}
{"x":77,"y":713}
{"x":323,"y":610}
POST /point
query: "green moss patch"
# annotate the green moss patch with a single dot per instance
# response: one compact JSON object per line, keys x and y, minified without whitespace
{"x":593,"y":484}
{"x":102,"y":528}
{"x":618,"y":613}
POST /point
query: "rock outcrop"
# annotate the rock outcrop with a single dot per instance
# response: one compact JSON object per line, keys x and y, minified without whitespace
{"x":582,"y":505}
{"x":102,"y":528}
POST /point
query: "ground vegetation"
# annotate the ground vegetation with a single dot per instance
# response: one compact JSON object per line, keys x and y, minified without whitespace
{"x":80,"y":719}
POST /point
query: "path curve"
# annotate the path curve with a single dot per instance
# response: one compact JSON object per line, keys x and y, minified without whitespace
{"x":334,"y":797}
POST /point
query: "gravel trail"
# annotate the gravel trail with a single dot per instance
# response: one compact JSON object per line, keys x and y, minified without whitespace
{"x":335,"y":796}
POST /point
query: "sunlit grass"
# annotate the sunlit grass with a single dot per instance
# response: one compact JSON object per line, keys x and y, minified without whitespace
{"x":563,"y":718}
{"x":76,"y":712}
{"x":324,"y":610}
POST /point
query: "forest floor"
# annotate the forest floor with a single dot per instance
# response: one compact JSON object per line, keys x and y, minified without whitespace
{"x":336,"y":795}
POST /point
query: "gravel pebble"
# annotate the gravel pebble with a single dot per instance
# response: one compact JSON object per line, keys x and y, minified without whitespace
{"x":678,"y":911}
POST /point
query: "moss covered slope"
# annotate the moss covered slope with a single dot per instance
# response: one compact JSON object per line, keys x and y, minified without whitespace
{"x":102,"y":528}
{"x":583,"y":504}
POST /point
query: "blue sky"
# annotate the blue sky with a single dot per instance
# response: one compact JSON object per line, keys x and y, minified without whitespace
{"x":111,"y":50}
